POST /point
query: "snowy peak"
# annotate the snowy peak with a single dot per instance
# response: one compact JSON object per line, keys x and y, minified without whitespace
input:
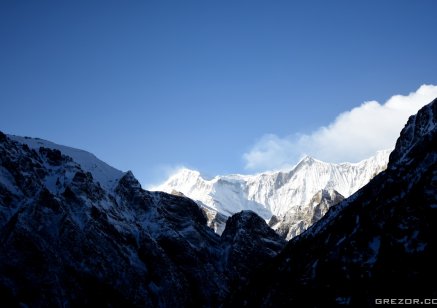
{"x":420,"y":128}
{"x":378,"y":243}
{"x":307,"y":160}
{"x":186,"y":178}
{"x":103,"y":173}
{"x":274,"y":193}
{"x":68,"y":240}
{"x":185,"y":173}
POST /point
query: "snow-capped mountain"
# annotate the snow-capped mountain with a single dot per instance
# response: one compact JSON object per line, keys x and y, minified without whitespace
{"x":75,"y":232}
{"x":378,"y":244}
{"x":103,"y":173}
{"x":275,"y":193}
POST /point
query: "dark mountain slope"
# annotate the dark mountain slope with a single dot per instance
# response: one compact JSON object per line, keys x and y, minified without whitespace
{"x":77,"y":232}
{"x":379,"y":243}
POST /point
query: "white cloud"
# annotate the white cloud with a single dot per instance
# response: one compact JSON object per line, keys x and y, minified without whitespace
{"x":354,"y":135}
{"x":160,"y":174}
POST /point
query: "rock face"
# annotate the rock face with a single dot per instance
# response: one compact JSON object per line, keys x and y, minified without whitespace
{"x":379,"y":243}
{"x":216,"y":220}
{"x":77,"y":232}
{"x":298,"y":219}
{"x":275,"y":193}
{"x":245,"y":233}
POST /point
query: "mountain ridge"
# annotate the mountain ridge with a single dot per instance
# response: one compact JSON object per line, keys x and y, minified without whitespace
{"x":66,"y":239}
{"x":377,"y":244}
{"x":276,"y":192}
{"x":70,"y":236}
{"x":105,"y":174}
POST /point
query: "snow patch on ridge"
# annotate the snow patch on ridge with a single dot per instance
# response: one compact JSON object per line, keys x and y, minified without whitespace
{"x":103,"y":173}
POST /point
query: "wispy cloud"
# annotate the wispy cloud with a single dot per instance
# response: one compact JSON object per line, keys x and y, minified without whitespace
{"x":161,"y":173}
{"x":354,"y":135}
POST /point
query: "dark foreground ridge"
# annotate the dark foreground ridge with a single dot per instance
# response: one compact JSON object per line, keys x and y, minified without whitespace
{"x":69,"y":239}
{"x":378,"y":244}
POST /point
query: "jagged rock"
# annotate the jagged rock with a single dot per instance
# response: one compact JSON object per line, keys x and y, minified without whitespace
{"x":379,"y":243}
{"x":300,"y":218}
{"x":76,"y":232}
{"x":245,"y":233}
{"x":177,"y":193}
{"x":215,"y":220}
{"x":2,"y":136}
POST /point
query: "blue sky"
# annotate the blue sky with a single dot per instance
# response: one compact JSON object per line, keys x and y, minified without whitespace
{"x":153,"y":85}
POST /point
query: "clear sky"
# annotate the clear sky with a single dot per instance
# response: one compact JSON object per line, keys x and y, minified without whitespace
{"x":153,"y":85}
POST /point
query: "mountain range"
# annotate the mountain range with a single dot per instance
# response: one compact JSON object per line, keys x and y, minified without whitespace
{"x":76,"y":232}
{"x":375,"y":247}
{"x":279,"y":193}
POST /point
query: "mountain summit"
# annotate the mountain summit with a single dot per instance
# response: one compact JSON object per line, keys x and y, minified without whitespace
{"x":378,"y":244}
{"x":75,"y":231}
{"x":275,"y":193}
